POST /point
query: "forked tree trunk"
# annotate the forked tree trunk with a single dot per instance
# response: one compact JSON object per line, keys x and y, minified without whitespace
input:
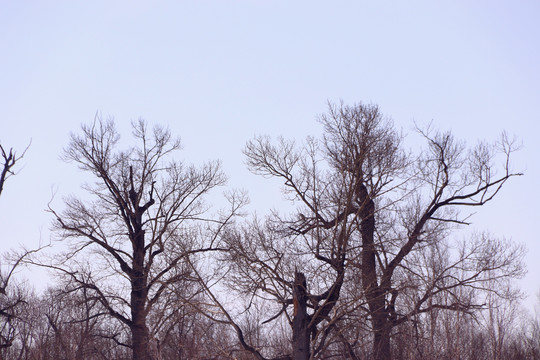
{"x":301,"y":332}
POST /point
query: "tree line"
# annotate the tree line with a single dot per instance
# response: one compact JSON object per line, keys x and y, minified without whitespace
{"x":367,"y":265}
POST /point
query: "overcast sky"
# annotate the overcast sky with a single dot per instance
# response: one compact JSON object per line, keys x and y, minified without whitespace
{"x":219,"y":72}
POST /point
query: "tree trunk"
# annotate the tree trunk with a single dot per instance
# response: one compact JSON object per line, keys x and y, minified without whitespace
{"x":301,"y":332}
{"x":375,"y":295}
{"x":140,"y":338}
{"x":139,"y":331}
{"x":381,"y":339}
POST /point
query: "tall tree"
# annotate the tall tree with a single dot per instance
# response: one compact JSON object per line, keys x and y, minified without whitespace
{"x":11,"y":299}
{"x":144,"y":216}
{"x":369,"y":214}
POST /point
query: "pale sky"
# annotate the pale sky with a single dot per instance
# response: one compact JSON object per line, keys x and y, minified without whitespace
{"x":219,"y":72}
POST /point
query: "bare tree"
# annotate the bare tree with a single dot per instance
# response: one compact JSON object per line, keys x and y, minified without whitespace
{"x":9,"y":160}
{"x":367,"y":212}
{"x":11,"y":299}
{"x":145,"y":215}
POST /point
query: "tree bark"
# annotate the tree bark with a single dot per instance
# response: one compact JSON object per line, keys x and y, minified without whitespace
{"x":139,"y":330}
{"x":140,"y":338}
{"x":301,"y":332}
{"x":139,"y":285}
{"x":375,"y":295}
{"x":381,"y":338}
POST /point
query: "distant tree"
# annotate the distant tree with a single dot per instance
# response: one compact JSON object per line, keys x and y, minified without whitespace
{"x":9,"y":160}
{"x":530,"y":336}
{"x":144,"y":216}
{"x":371,"y":237}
